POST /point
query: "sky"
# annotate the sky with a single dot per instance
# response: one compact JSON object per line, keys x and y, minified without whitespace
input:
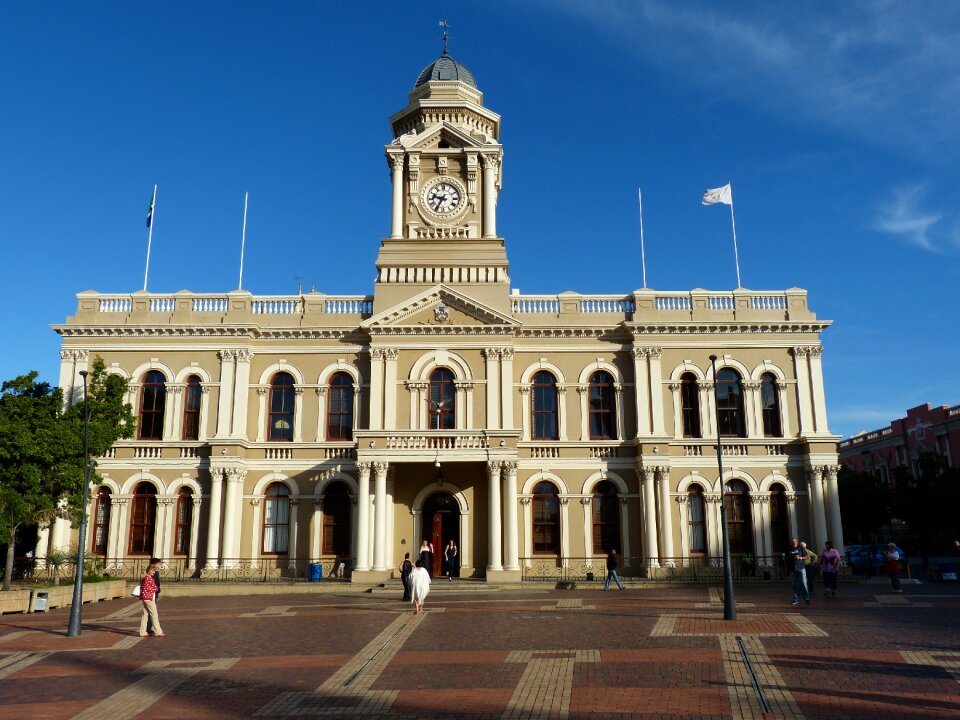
{"x":836,"y":123}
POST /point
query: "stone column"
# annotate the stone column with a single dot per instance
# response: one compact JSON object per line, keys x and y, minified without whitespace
{"x":67,"y":375}
{"x":784,"y":415}
{"x":650,"y":549}
{"x":625,"y":530}
{"x":162,"y":543}
{"x":666,"y":516}
{"x":298,"y":413}
{"x":764,"y":507}
{"x":376,"y":388}
{"x":380,"y":515}
{"x":656,"y":392}
{"x":674,"y":389}
{"x":708,"y":410}
{"x":641,"y":390}
{"x":213,"y":529}
{"x":490,"y":164}
{"x":751,"y":409}
{"x":396,"y":177}
{"x":494,"y":526}
{"x":363,"y":515}
{"x":618,"y":394}
{"x":792,"y":514}
{"x":255,"y":537}
{"x":322,"y":413}
{"x":390,"y":388}
{"x":232,"y":514}
{"x":833,"y":503}
{"x":241,"y":393}
{"x":525,"y":412}
{"x":225,"y":407}
{"x":196,"y":505}
{"x":316,"y":529}
{"x":512,"y":555}
{"x":506,"y":388}
{"x":801,"y":368}
{"x":262,"y":413}
{"x":714,"y":525}
{"x":817,"y":509}
{"x":294,"y":527}
{"x":761,"y":549}
{"x":173,"y":412}
{"x":562,"y":411}
{"x":684,"y":529}
{"x":118,"y":516}
{"x":492,"y":356}
{"x":816,"y":383}
{"x":587,"y":504}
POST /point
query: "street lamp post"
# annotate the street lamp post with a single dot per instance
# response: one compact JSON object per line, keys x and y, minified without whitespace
{"x":729,"y":604}
{"x":76,"y":608}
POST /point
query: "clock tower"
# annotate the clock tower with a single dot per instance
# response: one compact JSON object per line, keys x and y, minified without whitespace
{"x":445,"y":165}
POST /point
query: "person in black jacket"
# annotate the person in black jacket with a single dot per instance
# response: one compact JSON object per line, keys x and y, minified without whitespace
{"x":612,"y":571}
{"x":156,"y":579}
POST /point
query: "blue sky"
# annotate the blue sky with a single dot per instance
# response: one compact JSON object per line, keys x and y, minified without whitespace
{"x":838,"y":125}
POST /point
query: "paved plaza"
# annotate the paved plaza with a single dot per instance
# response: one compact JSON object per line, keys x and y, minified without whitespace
{"x":647,"y":652}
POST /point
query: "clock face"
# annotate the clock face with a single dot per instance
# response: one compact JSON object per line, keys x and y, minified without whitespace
{"x":443,"y":198}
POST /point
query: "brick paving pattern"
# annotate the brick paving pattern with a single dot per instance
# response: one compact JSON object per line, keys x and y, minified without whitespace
{"x":650,"y":652}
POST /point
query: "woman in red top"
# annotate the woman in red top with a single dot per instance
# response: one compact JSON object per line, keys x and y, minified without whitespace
{"x":148,"y":591}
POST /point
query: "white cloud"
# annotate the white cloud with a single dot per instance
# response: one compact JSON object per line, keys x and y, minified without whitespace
{"x":885,"y":71}
{"x":903,"y":218}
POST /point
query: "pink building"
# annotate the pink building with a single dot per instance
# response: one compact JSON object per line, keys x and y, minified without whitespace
{"x":924,"y":429}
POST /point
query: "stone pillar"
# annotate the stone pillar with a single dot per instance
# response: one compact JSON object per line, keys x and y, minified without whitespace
{"x":262,"y":413}
{"x":494,"y":526}
{"x":376,"y":388}
{"x":784,"y":415}
{"x":764,"y":508}
{"x":232,"y":515}
{"x":512,"y":556}
{"x":225,"y":407}
{"x":650,"y":549}
{"x":641,"y":388}
{"x":525,"y":412}
{"x":833,"y":504}
{"x":162,"y":540}
{"x":118,"y":517}
{"x":492,"y":356}
{"x":396,"y":177}
{"x":490,"y":164}
{"x":586,"y":503}
{"x":256,"y":536}
{"x":792,"y":514}
{"x":656,"y":392}
{"x":67,"y":374}
{"x":363,"y":516}
{"x":800,"y":355}
{"x":584,"y":392}
{"x":666,"y":517}
{"x":213,"y":529}
{"x":714,"y":531}
{"x":380,"y":515}
{"x":756,"y":516}
{"x":708,"y":410}
{"x":241,"y":393}
{"x":816,"y":383}
{"x":316,"y":529}
{"x":322,"y":413}
{"x":752,"y":410}
{"x":390,"y":388}
{"x":196,"y":505}
{"x":618,"y":394}
{"x":674,"y":388}
{"x":562,"y":411}
{"x":294,"y":527}
{"x":298,"y":413}
{"x":625,"y":530}
{"x":506,"y":388}
{"x":172,"y":412}
{"x":817,"y":509}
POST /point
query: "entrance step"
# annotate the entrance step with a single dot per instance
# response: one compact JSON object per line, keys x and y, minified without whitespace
{"x":442,"y":585}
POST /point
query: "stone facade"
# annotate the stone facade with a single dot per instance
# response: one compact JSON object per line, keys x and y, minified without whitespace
{"x":537,"y":431}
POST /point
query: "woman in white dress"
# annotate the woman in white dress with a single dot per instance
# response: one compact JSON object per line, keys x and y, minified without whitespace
{"x":419,"y":587}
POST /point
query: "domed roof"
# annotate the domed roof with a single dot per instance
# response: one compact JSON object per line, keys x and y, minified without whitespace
{"x":445,"y":68}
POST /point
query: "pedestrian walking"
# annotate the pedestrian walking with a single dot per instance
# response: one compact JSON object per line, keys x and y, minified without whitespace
{"x":419,"y":587}
{"x":829,"y":566}
{"x":892,"y":567}
{"x":798,"y":571}
{"x":452,"y":557}
{"x":426,"y":557}
{"x":156,"y":597}
{"x":810,"y":567}
{"x":406,"y":567}
{"x":148,"y":592}
{"x":612,"y":570}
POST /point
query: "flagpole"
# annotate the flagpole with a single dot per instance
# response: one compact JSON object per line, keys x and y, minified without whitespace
{"x":736,"y":255}
{"x":153,"y":210}
{"x":243,"y":240}
{"x":643,"y":254}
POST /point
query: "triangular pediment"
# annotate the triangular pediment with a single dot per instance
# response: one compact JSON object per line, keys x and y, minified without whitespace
{"x":422,"y":314}
{"x":432,"y":134}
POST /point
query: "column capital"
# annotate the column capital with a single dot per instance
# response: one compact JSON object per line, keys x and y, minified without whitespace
{"x":391,"y":353}
{"x":380,"y":468}
{"x":243,"y":354}
{"x":525,"y":500}
{"x":491,"y":353}
{"x":509,"y":467}
{"x":363,"y":469}
{"x":493,"y":467}
{"x":395,"y":160}
{"x":506,"y":353}
{"x":638,"y":353}
{"x":262,"y":390}
{"x":586,"y":501}
{"x":227,"y":354}
{"x":165,"y":501}
{"x":801,"y":351}
{"x":255,"y":502}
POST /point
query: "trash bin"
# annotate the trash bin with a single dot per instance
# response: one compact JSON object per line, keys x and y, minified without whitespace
{"x":40,"y":601}
{"x":315,"y":572}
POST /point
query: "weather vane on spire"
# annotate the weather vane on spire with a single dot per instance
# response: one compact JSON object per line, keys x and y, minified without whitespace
{"x":446,"y":26}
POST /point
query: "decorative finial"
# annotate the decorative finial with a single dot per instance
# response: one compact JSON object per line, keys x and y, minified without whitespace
{"x":446,"y":26}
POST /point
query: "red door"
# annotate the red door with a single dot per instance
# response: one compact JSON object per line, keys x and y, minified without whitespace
{"x":436,"y":537}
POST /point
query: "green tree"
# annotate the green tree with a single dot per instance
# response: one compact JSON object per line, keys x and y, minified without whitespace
{"x":927,"y":500}
{"x":41,"y":448}
{"x":864,"y":503}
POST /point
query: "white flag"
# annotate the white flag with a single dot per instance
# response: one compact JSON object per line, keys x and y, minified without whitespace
{"x":718,"y":195}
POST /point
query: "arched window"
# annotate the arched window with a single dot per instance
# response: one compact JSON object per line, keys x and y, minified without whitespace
{"x":606,"y":518}
{"x":779,"y":519}
{"x":280,"y":423}
{"x":730,"y":404}
{"x":546,"y":519}
{"x":336,"y":520}
{"x":544,"y":407}
{"x":276,"y":519}
{"x":143,"y":519}
{"x":690,"y":405}
{"x":340,"y":407}
{"x":696,"y":524}
{"x":101,"y":522}
{"x":153,"y":395}
{"x":441,"y":400}
{"x":184,"y":516}
{"x":770,"y":402}
{"x":603,"y":423}
{"x":739,"y":523}
{"x":191,"y":408}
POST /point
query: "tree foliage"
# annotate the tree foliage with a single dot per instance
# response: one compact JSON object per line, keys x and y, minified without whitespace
{"x":41,"y":447}
{"x":864,"y":504}
{"x":928,"y":500}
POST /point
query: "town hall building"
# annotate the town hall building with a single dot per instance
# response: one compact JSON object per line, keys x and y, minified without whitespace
{"x":536,"y":432}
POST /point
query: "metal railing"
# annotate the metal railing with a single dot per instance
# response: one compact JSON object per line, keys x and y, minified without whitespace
{"x":550,"y":568}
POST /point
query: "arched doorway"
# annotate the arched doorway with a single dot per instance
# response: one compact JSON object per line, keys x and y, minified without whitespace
{"x":441,"y":524}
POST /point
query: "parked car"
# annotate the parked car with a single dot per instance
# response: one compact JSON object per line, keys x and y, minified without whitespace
{"x":868,"y":559}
